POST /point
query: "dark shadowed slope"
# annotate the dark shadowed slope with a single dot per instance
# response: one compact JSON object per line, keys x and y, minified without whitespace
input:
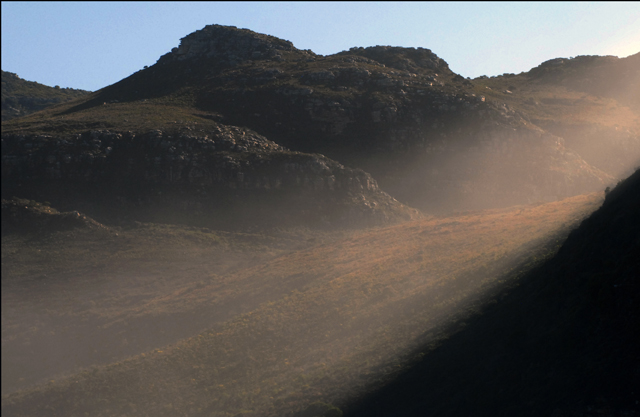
{"x":560,"y":344}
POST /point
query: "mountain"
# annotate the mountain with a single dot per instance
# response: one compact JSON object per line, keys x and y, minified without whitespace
{"x":563,"y":343}
{"x":21,"y":97}
{"x":398,"y":113}
{"x":405,"y":124}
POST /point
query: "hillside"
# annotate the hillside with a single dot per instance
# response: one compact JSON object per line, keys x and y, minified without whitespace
{"x":430,"y":139}
{"x":21,"y":97}
{"x":563,"y":343}
{"x":217,"y":323}
{"x":589,"y":101}
{"x":250,"y":229}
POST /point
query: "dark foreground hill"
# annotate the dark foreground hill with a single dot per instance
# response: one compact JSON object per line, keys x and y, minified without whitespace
{"x":564,"y":343}
{"x":21,"y":97}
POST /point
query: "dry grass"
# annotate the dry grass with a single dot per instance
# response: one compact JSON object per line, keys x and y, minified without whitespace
{"x":290,"y":327}
{"x":69,"y":119}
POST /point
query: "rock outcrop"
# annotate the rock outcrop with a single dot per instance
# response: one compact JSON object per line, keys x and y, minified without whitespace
{"x":19,"y":215}
{"x":231,"y":175}
{"x":230,"y":45}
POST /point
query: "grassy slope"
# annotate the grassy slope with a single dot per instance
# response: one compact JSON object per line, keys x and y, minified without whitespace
{"x":562,"y":344}
{"x":69,"y":119}
{"x":312,"y":324}
{"x":65,"y":290}
{"x":21,"y":97}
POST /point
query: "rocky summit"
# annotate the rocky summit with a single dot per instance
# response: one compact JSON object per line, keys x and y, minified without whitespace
{"x":232,"y":124}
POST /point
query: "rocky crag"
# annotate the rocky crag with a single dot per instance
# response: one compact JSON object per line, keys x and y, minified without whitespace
{"x":229,"y":177}
{"x":429,"y":137}
{"x":19,"y":214}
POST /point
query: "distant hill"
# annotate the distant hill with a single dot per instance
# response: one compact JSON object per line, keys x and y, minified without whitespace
{"x":592,"y":102}
{"x":564,"y":343}
{"x":429,"y":138}
{"x":21,"y":97}
{"x":607,"y":76}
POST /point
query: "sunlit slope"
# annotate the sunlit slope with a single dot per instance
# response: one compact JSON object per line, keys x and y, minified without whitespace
{"x":564,"y":343}
{"x":341,"y":316}
{"x":87,"y":296}
{"x":590,"y":101}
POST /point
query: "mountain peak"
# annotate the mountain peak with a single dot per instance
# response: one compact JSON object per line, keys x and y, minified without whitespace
{"x":406,"y":59}
{"x":228,"y":43}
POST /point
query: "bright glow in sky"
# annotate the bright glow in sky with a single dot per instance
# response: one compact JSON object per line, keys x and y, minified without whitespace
{"x":90,"y":45}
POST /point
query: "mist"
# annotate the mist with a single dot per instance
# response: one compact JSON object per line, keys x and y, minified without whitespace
{"x":261,"y":322}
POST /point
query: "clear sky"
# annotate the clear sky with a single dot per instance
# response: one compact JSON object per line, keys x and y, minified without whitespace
{"x":90,"y":45}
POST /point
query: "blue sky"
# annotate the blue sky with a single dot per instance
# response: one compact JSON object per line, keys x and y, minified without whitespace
{"x":90,"y":45}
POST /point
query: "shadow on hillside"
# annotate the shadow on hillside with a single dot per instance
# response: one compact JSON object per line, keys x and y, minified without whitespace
{"x":561,"y":343}
{"x":138,"y":86}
